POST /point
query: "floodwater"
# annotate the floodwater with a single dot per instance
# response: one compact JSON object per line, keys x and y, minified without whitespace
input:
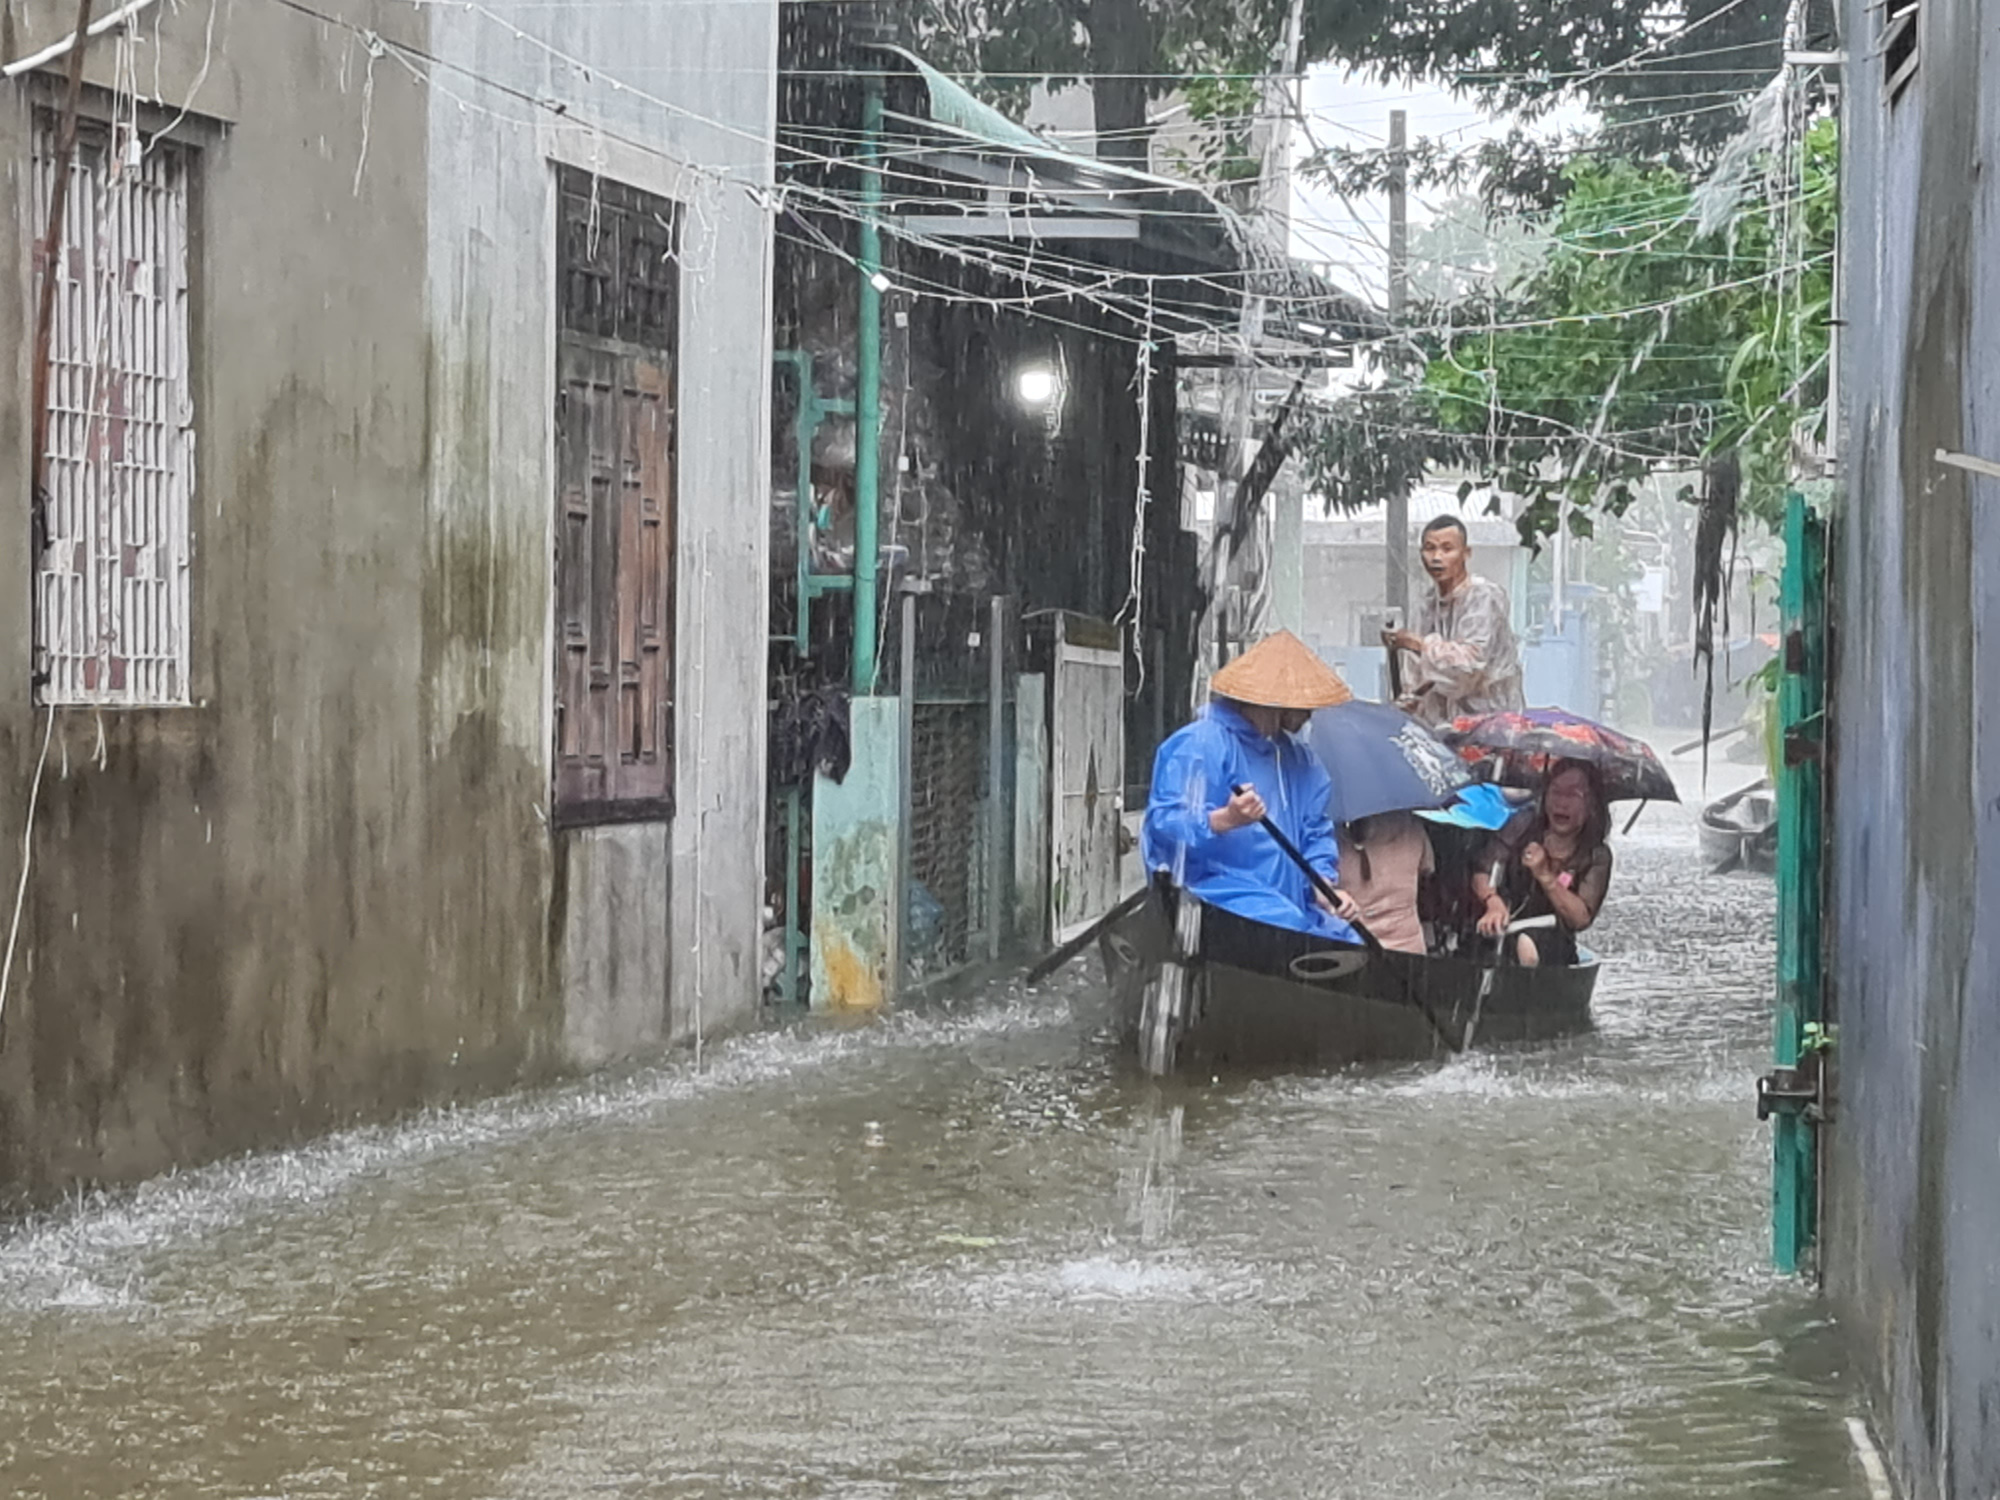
{"x":967,"y":1252}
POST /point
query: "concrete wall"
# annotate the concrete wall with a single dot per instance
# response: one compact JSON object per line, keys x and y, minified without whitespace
{"x":692,"y":122}
{"x":328,"y":889}
{"x":857,"y":905}
{"x":1911,"y":1236}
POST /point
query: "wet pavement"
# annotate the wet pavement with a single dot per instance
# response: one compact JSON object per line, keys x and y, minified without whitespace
{"x":969,"y":1252}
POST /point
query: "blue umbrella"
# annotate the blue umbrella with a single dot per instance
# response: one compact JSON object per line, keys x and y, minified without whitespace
{"x":1481,"y":805}
{"x":1382,"y":760}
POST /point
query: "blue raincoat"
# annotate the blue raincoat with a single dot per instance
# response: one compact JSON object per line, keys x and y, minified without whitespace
{"x":1243,"y":870}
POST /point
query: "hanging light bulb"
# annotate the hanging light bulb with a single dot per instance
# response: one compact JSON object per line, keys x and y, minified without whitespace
{"x":1036,"y":386}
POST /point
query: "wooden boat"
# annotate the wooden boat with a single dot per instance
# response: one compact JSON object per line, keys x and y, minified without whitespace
{"x":1201,"y":986}
{"x":1740,"y":831}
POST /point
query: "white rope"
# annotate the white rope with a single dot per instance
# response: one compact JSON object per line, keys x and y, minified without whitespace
{"x":27,"y":857}
{"x":376,"y":49}
{"x":1132,"y":613}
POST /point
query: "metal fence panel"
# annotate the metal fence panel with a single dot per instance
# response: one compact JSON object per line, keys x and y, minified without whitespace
{"x":947,"y":834}
{"x":1087,"y":762}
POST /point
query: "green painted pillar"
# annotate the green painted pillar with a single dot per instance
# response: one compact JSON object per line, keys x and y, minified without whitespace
{"x":1800,"y":1036}
{"x":868,"y":392}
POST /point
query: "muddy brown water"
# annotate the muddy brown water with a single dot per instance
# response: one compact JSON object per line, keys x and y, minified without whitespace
{"x":968,"y":1252}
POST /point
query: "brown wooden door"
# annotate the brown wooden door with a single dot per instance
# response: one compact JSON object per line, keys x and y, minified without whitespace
{"x":614,"y":557}
{"x":615,"y":436}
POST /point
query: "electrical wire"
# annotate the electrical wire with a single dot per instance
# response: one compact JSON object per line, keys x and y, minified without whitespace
{"x":1098,"y":288}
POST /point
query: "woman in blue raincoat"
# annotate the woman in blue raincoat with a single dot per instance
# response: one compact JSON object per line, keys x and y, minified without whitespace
{"x":1206,"y":834}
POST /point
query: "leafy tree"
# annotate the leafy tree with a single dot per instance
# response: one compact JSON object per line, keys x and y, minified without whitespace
{"x":1467,"y":251}
{"x":1664,"y":72}
{"x":1131,"y":52}
{"x":1667,"y":83}
{"x":1664,"y":75}
{"x":1641,"y":343}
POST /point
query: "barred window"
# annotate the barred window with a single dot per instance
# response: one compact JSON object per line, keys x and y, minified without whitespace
{"x":111,"y":544}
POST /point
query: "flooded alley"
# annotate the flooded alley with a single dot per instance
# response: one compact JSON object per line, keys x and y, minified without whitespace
{"x":969,"y":1251}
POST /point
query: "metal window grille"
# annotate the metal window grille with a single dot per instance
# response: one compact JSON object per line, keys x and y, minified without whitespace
{"x":111,"y":574}
{"x":947,"y":833}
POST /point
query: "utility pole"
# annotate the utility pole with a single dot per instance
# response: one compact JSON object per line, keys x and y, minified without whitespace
{"x":1239,"y":407}
{"x":1396,"y":504}
{"x":1288,"y":492}
{"x":1239,"y":402}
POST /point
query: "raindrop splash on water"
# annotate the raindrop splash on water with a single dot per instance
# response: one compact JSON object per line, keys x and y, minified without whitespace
{"x":970,"y":1250}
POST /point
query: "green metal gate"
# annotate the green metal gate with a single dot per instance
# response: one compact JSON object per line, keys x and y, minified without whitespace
{"x":1793,"y":1095}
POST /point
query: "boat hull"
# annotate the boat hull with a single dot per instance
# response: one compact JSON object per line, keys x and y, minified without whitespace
{"x":1203,"y":987}
{"x":1740,"y":832}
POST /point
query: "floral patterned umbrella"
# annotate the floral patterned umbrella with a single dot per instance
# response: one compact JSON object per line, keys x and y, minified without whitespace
{"x":1517,"y":748}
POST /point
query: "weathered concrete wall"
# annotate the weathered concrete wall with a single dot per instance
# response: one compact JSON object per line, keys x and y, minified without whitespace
{"x":677,"y":100}
{"x":1911,"y":1247}
{"x":329,"y":888}
{"x":617,"y":960}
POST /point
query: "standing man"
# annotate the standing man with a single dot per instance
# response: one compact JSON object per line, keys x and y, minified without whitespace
{"x":1467,"y":660}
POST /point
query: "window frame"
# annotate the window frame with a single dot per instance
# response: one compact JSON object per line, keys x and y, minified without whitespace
{"x":1901,"y":47}
{"x":617,"y":343}
{"x":143,"y":658}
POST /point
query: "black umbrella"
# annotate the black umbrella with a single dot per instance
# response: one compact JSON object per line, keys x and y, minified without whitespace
{"x":1382,"y":760}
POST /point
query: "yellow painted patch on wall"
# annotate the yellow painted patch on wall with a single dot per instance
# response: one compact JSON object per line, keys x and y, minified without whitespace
{"x":855,"y":983}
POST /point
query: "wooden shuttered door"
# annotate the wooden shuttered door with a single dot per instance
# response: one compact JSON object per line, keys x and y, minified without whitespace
{"x":615,"y":444}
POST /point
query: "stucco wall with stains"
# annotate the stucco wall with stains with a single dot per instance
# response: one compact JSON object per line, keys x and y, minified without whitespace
{"x":328,"y":889}
{"x":1911,"y":1235}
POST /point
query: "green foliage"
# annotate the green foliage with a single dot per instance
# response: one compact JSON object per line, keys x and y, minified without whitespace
{"x":1224,"y":100}
{"x":1639,"y":344}
{"x":1661,"y":75}
{"x":1132,"y":51}
{"x":1465,"y":251}
{"x":1374,"y":443}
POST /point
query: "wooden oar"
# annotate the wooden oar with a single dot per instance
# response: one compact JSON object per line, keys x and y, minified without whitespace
{"x":1709,"y":739}
{"x":1373,"y":943}
{"x":1055,"y":958}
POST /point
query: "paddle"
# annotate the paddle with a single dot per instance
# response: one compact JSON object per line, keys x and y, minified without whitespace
{"x":1055,"y":958}
{"x":1395,"y":672}
{"x":1374,"y":944}
{"x":1709,"y":739}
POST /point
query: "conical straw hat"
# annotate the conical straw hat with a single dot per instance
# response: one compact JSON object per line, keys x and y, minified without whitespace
{"x":1281,"y":671}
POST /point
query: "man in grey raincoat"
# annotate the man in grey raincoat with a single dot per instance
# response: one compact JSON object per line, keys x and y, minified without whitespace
{"x":1467,"y":660}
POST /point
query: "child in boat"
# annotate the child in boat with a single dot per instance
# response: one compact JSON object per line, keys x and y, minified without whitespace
{"x":1383,"y":859}
{"x":1206,"y":834}
{"x":1553,"y":860}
